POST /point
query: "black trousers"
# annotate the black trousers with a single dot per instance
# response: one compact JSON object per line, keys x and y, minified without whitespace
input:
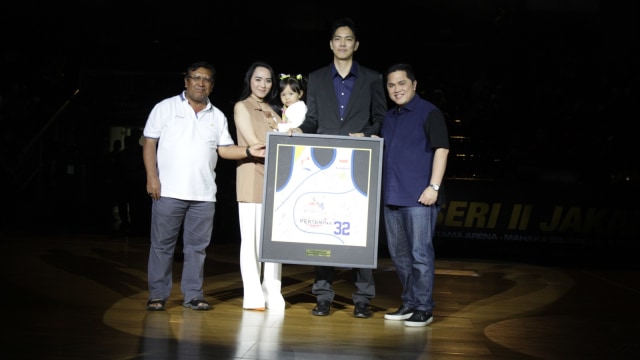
{"x":363,"y":280}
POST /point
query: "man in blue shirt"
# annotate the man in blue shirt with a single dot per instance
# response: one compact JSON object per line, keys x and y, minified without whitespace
{"x":416,"y":146}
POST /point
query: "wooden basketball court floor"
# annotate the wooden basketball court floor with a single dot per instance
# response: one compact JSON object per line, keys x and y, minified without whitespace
{"x":83,"y":297}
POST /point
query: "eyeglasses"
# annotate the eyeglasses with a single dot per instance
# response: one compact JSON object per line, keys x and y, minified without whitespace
{"x":201,"y":78}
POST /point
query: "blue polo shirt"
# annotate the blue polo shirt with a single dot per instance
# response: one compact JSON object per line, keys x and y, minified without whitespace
{"x":411,"y":135}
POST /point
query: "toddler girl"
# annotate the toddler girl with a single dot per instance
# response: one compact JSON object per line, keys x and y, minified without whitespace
{"x":293,"y":105}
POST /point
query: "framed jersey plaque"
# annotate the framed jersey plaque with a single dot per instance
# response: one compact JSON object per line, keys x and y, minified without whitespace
{"x":321,"y":202}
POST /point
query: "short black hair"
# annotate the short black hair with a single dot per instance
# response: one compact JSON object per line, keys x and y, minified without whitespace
{"x":411,"y":74}
{"x":296,"y":85}
{"x":201,"y":64}
{"x":345,"y":21}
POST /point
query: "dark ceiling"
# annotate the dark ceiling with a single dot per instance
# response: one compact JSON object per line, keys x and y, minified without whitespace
{"x":453,"y":40}
{"x":146,"y":35}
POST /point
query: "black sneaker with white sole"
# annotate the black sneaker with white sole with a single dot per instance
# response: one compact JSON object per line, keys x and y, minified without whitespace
{"x":402,"y":313}
{"x":419,"y":318}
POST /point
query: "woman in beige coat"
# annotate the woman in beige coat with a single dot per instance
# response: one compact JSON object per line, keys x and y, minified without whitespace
{"x":254,"y":117}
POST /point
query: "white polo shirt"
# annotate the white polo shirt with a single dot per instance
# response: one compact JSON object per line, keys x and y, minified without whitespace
{"x":187,"y":144}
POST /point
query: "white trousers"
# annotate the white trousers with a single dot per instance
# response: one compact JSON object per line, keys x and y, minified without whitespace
{"x":256,"y":294}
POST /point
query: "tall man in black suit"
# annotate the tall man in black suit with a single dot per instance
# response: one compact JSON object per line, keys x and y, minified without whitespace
{"x":344,"y":98}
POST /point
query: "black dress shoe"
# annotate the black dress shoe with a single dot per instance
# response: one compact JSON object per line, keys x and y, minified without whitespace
{"x":321,"y":309}
{"x":362,"y":311}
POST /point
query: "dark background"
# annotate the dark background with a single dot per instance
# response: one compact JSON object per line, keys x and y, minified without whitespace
{"x":535,"y":91}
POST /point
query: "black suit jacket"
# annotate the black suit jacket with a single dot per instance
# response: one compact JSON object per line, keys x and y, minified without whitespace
{"x":365,"y":110}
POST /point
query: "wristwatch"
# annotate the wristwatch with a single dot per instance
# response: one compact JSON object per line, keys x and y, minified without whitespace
{"x":435,"y":187}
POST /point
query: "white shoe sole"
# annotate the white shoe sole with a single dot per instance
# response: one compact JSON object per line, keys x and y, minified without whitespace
{"x":419,"y":323}
{"x":397,"y":317}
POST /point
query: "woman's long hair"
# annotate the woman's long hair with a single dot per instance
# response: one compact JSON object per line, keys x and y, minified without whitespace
{"x":246,"y":89}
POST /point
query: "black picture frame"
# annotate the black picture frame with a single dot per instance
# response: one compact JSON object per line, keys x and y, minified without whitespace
{"x":321,"y":201}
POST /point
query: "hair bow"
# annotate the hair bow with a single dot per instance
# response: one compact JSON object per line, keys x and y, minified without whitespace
{"x":284,"y":76}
